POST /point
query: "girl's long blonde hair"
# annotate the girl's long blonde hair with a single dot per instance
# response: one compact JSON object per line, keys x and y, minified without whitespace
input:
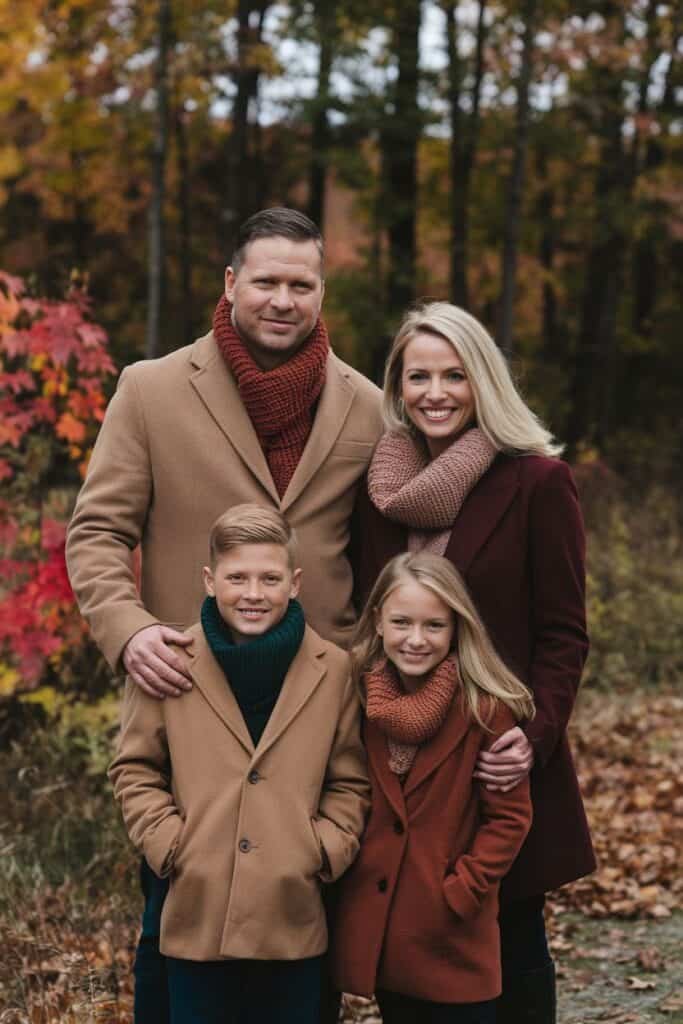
{"x":481,"y":670}
{"x":501,"y":412}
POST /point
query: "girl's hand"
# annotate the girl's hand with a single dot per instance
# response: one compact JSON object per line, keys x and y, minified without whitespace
{"x":507,"y":761}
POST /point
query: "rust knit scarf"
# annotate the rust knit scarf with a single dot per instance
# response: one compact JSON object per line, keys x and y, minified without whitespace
{"x":280,"y":402}
{"x":409,"y":719}
{"x":422,"y":494}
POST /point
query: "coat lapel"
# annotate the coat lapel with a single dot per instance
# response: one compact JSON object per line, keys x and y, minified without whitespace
{"x":434,"y":753}
{"x":481,"y":512}
{"x":218,"y":390}
{"x":378,"y":756}
{"x":301,"y":681}
{"x":333,"y":408}
{"x":209,"y":678}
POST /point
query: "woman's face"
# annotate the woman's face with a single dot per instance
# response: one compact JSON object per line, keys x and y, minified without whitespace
{"x":436,"y":393}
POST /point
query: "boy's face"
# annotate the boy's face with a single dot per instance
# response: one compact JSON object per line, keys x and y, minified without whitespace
{"x":252,"y":584}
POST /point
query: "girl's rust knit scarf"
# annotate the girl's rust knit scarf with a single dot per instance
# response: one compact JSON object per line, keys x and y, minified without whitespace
{"x":409,"y":719}
{"x":426,"y":496}
{"x":280,"y":402}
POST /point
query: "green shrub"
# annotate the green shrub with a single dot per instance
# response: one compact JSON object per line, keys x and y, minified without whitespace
{"x":634,"y":585}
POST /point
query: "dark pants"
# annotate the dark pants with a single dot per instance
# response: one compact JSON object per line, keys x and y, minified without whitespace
{"x":528,"y":995}
{"x":151,"y":982}
{"x":523,"y":944}
{"x":244,"y":991}
{"x":397,"y":1009}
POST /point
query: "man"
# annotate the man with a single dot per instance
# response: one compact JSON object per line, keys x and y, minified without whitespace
{"x":258,"y":410}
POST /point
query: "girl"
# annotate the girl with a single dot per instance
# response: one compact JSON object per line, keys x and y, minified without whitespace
{"x":417,"y":920}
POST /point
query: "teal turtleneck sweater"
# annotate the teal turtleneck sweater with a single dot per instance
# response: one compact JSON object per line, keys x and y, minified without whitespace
{"x":256,"y":669}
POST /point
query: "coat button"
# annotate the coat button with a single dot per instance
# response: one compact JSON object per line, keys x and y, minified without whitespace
{"x":253,"y":777}
{"x":244,"y":845}
{"x":398,"y":827}
{"x":382,"y":885}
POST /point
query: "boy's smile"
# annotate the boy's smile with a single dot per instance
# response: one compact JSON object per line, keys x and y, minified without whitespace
{"x":253,"y":585}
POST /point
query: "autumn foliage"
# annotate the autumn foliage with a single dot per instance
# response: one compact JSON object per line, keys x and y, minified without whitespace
{"x":54,"y":367}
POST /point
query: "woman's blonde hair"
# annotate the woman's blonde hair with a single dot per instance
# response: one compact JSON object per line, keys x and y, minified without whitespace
{"x":481,"y":670}
{"x":501,"y":412}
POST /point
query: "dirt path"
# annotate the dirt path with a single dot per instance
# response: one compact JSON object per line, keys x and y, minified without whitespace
{"x":621,"y":972}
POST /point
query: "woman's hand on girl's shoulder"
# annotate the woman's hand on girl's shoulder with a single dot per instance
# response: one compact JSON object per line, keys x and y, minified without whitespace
{"x":508,"y":760}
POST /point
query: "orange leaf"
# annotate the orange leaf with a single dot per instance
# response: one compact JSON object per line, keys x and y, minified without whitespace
{"x":69,"y":428}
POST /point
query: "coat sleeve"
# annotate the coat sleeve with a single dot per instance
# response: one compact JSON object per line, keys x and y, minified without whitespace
{"x":557,"y":551}
{"x":345,"y":797}
{"x":504,"y":820}
{"x":108,"y":522}
{"x":141,"y":776}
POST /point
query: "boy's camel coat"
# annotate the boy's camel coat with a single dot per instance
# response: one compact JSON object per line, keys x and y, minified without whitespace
{"x":177,"y":449}
{"x":241,"y":831}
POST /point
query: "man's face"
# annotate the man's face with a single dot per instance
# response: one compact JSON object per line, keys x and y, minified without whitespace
{"x":276,"y":297}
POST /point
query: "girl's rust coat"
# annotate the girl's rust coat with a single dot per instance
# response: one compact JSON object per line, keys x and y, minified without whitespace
{"x":418,"y":910}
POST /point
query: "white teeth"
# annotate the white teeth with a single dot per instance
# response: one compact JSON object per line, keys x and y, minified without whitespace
{"x":437,"y":414}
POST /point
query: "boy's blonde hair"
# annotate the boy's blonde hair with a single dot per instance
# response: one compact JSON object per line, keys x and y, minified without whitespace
{"x":481,"y":669}
{"x":251,"y":524}
{"x":501,"y":412}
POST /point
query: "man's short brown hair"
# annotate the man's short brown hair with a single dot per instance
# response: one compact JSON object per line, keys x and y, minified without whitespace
{"x":251,"y":524}
{"x":276,"y":222}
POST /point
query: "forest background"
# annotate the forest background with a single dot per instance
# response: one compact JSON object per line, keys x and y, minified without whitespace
{"x":521,"y":158}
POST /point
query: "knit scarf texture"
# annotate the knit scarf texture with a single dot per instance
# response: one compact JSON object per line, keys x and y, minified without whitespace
{"x":408,"y":720}
{"x":256,"y":669}
{"x":280,"y":402}
{"x":426,"y":495}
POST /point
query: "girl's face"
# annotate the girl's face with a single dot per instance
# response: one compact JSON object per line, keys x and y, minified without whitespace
{"x":436,"y":393}
{"x":416,"y":629}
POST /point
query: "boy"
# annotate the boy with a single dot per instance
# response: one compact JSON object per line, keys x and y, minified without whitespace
{"x":249,"y":792}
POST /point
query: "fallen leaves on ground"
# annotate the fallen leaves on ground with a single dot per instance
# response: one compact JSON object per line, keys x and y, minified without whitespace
{"x":628,"y":752}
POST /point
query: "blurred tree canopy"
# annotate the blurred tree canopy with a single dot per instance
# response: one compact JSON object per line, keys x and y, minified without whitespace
{"x":520,"y":158}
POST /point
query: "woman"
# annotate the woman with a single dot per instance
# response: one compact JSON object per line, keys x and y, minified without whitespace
{"x":467,"y":470}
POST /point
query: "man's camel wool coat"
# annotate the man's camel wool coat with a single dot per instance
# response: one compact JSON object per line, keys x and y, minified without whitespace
{"x":245,"y":834}
{"x":176,"y":450}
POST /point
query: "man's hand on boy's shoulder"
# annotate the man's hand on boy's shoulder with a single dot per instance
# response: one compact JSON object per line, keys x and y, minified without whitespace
{"x":154,"y":665}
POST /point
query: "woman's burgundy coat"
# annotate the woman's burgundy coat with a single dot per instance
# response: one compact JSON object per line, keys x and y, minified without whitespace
{"x":519,"y":543}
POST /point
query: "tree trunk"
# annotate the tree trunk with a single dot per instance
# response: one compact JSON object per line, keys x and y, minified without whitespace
{"x":513,"y":211}
{"x":325,"y":19}
{"x":246,"y":79}
{"x":400,"y":137}
{"x":185,"y":224}
{"x":547,"y":246}
{"x":463,"y":146}
{"x":595,"y":357}
{"x":156,"y":208}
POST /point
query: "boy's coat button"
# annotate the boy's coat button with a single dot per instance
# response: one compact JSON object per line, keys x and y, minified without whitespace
{"x":253,"y":777}
{"x":244,"y":845}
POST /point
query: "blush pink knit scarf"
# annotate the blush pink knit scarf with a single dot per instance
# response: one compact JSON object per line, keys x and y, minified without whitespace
{"x":426,"y":496}
{"x":409,"y":719}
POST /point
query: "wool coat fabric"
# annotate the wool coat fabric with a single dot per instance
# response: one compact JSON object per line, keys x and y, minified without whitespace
{"x":519,"y":543}
{"x":177,"y":449}
{"x":245,"y":835}
{"x":418,"y":911}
